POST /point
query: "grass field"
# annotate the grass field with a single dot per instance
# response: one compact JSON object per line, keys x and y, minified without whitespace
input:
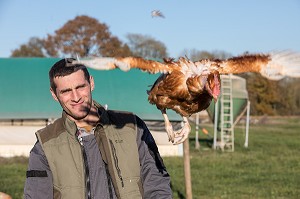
{"x":268,"y":168}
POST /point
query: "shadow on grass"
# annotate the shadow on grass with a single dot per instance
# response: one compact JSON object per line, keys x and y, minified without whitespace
{"x":203,"y":142}
{"x":179,"y":194}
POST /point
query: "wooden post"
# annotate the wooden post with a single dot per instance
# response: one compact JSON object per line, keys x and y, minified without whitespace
{"x":247,"y":125}
{"x":187,"y":169}
{"x":197,"y":144}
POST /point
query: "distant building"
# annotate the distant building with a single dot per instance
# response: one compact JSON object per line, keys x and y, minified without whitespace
{"x":25,"y":95}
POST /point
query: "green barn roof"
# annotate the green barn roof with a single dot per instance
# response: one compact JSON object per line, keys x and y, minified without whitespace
{"x":24,"y":90}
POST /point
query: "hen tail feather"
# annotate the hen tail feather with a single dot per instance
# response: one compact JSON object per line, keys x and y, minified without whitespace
{"x":282,"y":64}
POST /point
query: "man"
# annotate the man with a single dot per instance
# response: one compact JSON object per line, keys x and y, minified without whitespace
{"x":91,"y":152}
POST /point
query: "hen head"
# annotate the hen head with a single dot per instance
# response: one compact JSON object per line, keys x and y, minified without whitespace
{"x":213,"y":85}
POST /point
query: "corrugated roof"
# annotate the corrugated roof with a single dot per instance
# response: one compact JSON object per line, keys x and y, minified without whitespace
{"x":24,"y":90}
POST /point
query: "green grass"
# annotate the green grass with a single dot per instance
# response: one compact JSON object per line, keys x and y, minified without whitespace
{"x":12,"y":176}
{"x":268,"y":168}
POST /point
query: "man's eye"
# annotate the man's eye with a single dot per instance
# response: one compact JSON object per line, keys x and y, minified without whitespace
{"x":65,"y":92}
{"x":81,"y":87}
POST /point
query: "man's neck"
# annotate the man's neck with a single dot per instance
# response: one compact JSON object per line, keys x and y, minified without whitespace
{"x":91,"y":119}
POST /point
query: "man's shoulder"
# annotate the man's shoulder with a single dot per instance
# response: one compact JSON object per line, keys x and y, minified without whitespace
{"x":119,"y":117}
{"x":50,"y":131}
{"x":120,"y":113}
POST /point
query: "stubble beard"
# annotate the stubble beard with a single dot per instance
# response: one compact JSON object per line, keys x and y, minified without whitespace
{"x":81,"y":114}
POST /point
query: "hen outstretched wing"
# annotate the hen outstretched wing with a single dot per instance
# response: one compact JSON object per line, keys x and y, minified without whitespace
{"x":127,"y":63}
{"x":274,"y":66}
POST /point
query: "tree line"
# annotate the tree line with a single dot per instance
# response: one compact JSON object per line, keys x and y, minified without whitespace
{"x":85,"y":36}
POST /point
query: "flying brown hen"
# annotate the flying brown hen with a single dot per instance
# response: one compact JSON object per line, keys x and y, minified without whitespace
{"x":188,"y":87}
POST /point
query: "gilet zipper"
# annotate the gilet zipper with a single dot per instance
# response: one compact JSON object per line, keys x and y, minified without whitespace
{"x":116,"y":162}
{"x":108,"y":181}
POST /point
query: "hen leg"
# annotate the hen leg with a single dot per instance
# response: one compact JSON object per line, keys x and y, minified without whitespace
{"x":183,"y":132}
{"x":168,"y":126}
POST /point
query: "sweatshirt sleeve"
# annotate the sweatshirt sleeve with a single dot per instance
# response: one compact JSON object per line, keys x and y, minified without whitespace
{"x":38,"y":183}
{"x":156,"y":180}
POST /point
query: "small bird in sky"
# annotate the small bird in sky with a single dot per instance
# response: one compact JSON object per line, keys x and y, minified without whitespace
{"x":189,"y":87}
{"x":157,"y":13}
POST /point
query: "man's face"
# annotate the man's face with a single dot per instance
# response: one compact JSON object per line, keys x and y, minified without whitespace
{"x":73,"y":92}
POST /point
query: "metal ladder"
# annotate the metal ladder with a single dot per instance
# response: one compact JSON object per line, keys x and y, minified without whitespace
{"x":226,"y":117}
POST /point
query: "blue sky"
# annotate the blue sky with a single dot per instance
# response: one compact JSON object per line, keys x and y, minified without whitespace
{"x":234,"y":26}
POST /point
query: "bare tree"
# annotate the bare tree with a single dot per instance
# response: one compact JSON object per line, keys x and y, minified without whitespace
{"x":146,"y":46}
{"x":195,"y":55}
{"x":34,"y":48}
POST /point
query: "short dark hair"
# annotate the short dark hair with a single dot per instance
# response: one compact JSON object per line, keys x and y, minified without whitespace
{"x":65,"y":67}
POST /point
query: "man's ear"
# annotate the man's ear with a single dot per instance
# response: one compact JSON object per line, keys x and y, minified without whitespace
{"x":53,"y":94}
{"x":92,"y":83}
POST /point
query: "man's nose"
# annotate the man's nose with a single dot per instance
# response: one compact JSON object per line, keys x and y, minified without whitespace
{"x":75,"y":96}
